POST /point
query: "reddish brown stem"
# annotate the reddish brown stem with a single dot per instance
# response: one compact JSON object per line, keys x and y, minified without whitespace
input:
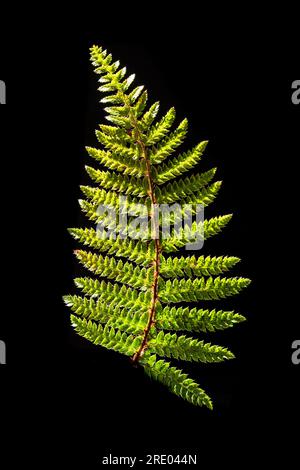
{"x":151,"y":192}
{"x":154,"y":287}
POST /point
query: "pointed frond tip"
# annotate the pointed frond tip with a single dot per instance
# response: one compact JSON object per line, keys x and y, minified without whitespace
{"x":177,"y":382}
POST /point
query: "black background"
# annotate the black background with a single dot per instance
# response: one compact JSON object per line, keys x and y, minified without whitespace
{"x":83,"y":402}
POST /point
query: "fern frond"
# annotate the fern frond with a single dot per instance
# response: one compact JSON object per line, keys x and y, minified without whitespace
{"x":132,"y":313}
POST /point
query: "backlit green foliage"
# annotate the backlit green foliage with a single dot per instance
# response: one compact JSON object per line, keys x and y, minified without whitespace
{"x":130,"y":305}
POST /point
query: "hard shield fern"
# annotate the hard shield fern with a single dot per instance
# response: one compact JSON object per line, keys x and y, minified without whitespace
{"x":128,"y":307}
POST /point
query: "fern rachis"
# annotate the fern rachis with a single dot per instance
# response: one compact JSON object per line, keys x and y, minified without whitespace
{"x":126,"y":307}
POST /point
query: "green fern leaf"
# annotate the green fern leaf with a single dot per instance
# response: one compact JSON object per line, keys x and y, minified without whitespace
{"x":127,"y":307}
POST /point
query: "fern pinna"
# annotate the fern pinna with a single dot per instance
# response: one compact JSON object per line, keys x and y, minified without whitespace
{"x":133,"y":309}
